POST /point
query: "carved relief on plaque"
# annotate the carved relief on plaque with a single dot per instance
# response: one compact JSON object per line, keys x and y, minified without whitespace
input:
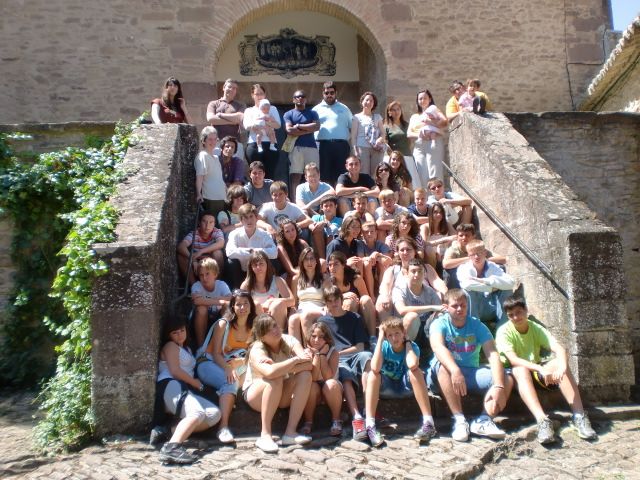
{"x":288,"y":54}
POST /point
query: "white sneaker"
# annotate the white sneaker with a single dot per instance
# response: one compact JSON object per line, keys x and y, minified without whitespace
{"x":267,"y":445}
{"x":273,"y":148}
{"x":483,"y":426}
{"x":460,"y":431}
{"x":225,"y":435}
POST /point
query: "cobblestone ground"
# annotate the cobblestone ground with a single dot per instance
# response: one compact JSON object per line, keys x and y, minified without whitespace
{"x":613,"y":456}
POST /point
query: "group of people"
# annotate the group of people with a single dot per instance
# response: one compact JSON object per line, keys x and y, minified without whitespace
{"x":346,"y":288}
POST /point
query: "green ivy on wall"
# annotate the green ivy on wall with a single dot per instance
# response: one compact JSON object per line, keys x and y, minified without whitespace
{"x":59,"y":207}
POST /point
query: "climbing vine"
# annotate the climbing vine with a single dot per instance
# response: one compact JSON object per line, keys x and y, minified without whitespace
{"x":59,"y":208}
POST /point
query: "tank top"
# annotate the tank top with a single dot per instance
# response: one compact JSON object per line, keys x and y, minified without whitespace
{"x":310,"y":298}
{"x":232,"y":343}
{"x":187,"y":363}
{"x":273,"y":292}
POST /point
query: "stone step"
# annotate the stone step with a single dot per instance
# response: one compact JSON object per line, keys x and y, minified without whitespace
{"x":244,"y":420}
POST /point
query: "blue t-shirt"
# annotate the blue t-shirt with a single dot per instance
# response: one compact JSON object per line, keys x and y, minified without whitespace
{"x":305,"y":195}
{"x":394,"y":364}
{"x":377,"y":247}
{"x":463,"y":343}
{"x":348,"y":330}
{"x":335,"y":121}
{"x":332,"y":228}
{"x":220,"y":289}
{"x":307,"y":115}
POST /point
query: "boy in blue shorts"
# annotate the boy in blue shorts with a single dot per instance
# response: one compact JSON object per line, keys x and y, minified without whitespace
{"x":456,"y":339}
{"x":395,"y":374}
{"x":520,"y":342}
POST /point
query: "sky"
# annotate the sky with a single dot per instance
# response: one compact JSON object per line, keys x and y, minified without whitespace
{"x":623,"y":12}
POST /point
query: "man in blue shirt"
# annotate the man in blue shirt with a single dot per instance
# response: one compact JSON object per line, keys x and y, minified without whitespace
{"x":456,"y":339}
{"x":301,"y":122}
{"x":333,"y":136}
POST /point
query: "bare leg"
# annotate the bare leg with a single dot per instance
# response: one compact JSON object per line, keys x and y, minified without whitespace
{"x":491,"y":406}
{"x":411,"y":323}
{"x":419,"y":385}
{"x":219,"y":258}
{"x":278,"y":311}
{"x":466,"y":214}
{"x":350,"y":397}
{"x":226,"y":407}
{"x":295,"y":395}
{"x":373,"y":393}
{"x":332,"y":392}
{"x":368,"y":312}
{"x":453,"y":399}
{"x":318,"y":240}
{"x":264,"y":397}
{"x":294,"y":328}
{"x":528,"y":392}
{"x":312,"y":402}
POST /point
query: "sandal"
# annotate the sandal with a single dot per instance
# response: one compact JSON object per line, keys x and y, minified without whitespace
{"x":336,"y":428}
{"x":306,"y":428}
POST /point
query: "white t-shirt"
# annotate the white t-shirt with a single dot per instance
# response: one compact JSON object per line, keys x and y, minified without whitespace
{"x":273,"y":216}
{"x":213,"y":186}
{"x":220,"y":289}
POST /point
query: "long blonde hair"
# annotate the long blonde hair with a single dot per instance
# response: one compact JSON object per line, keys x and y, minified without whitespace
{"x":261,"y":326}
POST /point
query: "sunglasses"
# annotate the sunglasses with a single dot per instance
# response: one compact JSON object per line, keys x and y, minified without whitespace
{"x":299,"y":96}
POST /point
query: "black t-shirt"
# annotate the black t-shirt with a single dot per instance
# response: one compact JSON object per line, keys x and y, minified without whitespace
{"x":355,"y":249}
{"x":364,"y":180}
{"x":348,"y":330}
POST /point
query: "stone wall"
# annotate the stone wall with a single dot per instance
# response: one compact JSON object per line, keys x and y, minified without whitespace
{"x":49,"y":137}
{"x":585,"y":255}
{"x":137,"y":295}
{"x":96,"y":60}
{"x":598,"y":157}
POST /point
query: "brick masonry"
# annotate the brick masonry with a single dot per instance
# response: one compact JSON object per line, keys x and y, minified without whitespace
{"x":91,"y":60}
{"x":585,"y":255}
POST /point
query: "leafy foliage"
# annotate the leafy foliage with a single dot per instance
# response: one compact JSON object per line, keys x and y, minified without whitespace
{"x":59,"y":207}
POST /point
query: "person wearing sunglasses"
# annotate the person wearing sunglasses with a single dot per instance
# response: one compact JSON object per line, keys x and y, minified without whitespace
{"x":334,"y":133}
{"x":300,"y":123}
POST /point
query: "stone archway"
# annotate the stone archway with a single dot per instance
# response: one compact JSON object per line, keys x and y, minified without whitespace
{"x":369,"y":55}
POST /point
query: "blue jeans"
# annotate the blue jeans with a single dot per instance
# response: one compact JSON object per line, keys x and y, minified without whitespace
{"x":211,"y":374}
{"x":395,"y":388}
{"x":488,"y":306}
{"x":478,"y":380}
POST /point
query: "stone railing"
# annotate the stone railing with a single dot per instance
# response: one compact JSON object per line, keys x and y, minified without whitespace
{"x":131,"y":302}
{"x":585,"y":255}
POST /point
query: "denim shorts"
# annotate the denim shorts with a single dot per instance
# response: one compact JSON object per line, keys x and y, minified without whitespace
{"x":478,"y":379}
{"x":396,"y":388}
{"x":352,"y":367}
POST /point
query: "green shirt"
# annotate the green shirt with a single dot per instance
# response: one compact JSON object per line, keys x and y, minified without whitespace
{"x":525,"y":345}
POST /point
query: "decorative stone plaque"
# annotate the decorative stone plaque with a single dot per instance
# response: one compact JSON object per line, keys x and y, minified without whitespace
{"x":288,"y":54}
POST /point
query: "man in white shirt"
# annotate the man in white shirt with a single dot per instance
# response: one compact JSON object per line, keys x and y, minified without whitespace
{"x":486,"y":284}
{"x":243,"y":241}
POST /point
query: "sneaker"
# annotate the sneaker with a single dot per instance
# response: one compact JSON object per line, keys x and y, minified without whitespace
{"x":460,"y":431}
{"x":158,"y":435}
{"x":426,"y":432}
{"x":545,"y":432}
{"x":294,"y":440}
{"x":273,"y":148}
{"x":267,"y":445}
{"x":359,"y":432}
{"x":484,"y":427}
{"x":583,"y":425}
{"x":176,"y":453}
{"x":225,"y":435}
{"x":375,"y":437}
{"x":336,"y":428}
{"x":259,"y":148}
